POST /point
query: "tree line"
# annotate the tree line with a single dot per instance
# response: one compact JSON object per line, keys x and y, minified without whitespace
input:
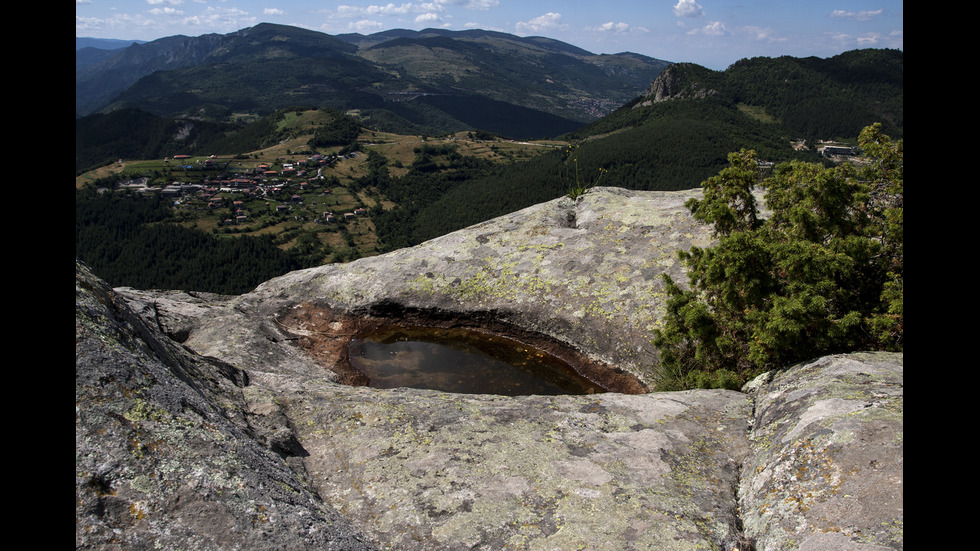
{"x":821,"y":273}
{"x":133,"y":240}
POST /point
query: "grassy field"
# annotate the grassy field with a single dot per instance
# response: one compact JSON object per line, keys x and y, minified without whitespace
{"x":295,"y":216}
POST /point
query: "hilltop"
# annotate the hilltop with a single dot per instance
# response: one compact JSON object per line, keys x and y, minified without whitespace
{"x":424,"y":81}
{"x":672,"y":136}
{"x":240,"y":219}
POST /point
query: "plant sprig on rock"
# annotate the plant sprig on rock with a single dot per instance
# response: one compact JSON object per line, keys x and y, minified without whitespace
{"x":579,"y":189}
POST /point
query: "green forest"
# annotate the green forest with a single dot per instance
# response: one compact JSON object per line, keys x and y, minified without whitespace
{"x":758,"y":104}
{"x":822,"y":272}
{"x":132,"y":240}
{"x":668,"y":146}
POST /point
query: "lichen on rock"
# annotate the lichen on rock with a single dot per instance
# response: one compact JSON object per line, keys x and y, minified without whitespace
{"x":224,"y":422}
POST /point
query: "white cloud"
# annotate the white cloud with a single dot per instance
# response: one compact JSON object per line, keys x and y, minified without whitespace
{"x":427,"y":18}
{"x":893,"y":39}
{"x":431,"y":7}
{"x":715,"y":28}
{"x":273,"y":11}
{"x":217,"y":19}
{"x":365,"y":25}
{"x":620,"y":27}
{"x":864,"y":15}
{"x":543,"y":23}
{"x":763,"y":34}
{"x":471,"y":4}
{"x":166,"y":11}
{"x":869,"y":40}
{"x":688,"y":8}
{"x":389,"y":9}
{"x":374,"y":9}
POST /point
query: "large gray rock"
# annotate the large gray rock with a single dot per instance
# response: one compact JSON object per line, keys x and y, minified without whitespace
{"x":429,"y":470}
{"x":827,"y":455}
{"x":809,"y":457}
{"x":165,"y":456}
{"x":586,"y":273}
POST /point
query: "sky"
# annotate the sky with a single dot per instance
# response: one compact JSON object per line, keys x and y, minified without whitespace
{"x":712,"y":33}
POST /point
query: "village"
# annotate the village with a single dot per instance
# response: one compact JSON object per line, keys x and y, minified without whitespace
{"x":286,"y":198}
{"x":210,"y":183}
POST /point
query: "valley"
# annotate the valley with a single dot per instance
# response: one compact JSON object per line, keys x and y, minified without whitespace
{"x":314,"y":205}
{"x":268,"y":167}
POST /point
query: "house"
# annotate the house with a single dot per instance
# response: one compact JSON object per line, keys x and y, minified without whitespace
{"x":171,"y":191}
{"x":836,"y":150}
{"x":360,"y":211}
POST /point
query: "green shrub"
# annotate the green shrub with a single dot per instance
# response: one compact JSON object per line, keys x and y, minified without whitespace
{"x":820,"y":271}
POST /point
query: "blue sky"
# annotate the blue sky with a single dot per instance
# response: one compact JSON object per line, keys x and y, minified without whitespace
{"x":708,"y":32}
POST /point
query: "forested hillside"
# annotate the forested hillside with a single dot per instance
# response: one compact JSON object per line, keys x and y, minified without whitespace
{"x":800,"y":98}
{"x":424,"y":82}
{"x":132,"y":240}
{"x":135,"y":134}
{"x":675,"y":138}
{"x":668,"y":146}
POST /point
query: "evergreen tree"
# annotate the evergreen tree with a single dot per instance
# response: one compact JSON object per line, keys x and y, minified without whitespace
{"x":820,"y":272}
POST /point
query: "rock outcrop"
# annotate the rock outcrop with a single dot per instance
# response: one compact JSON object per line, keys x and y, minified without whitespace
{"x":223,"y":422}
{"x":166,"y":456}
{"x":675,"y":82}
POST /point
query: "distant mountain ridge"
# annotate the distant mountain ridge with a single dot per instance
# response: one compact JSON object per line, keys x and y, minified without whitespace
{"x":97,"y":85}
{"x":104,"y":43}
{"x":475,"y":35}
{"x":680,"y":131}
{"x":267,"y":67}
{"x":801,"y":98}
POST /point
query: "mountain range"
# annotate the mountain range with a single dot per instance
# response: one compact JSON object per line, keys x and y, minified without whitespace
{"x":401,"y":80}
{"x":209,"y":95}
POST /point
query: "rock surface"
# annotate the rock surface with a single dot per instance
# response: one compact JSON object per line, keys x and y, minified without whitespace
{"x":244,"y":436}
{"x":165,"y":454}
{"x":668,"y":85}
{"x":585,"y":273}
{"x":827,"y":461}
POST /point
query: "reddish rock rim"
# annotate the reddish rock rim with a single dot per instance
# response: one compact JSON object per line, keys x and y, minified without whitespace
{"x":325,"y":334}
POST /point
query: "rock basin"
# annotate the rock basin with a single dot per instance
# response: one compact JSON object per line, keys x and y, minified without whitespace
{"x":810,"y":458}
{"x":338,"y":340}
{"x":461,"y":360}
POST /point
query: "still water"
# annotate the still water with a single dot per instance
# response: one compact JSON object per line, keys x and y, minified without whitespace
{"x":463,"y":361}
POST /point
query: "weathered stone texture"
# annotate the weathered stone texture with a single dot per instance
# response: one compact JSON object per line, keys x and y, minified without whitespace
{"x":827,"y":466}
{"x":242,"y":437}
{"x":165,"y":457}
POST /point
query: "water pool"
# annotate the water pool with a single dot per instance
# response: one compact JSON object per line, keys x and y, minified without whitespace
{"x":461,"y":360}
